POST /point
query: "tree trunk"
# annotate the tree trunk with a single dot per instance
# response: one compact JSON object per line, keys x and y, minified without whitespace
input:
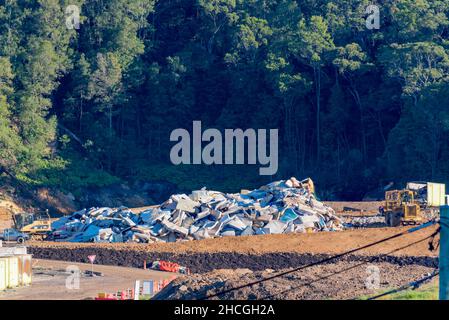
{"x":358,"y":102}
{"x":317,"y":75}
{"x":81,"y":115}
{"x":110,"y":119}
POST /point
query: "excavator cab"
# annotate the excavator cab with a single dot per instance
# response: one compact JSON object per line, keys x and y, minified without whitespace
{"x":37,"y":225}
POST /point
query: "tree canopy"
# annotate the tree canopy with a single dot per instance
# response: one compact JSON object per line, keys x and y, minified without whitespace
{"x":355,"y":108}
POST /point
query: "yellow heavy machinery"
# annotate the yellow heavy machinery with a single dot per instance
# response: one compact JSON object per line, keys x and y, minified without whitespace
{"x":402,"y":208}
{"x":36,"y":225}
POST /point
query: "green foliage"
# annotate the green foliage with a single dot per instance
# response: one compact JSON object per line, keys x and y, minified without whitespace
{"x":350,"y":58}
{"x":314,"y":40}
{"x":419,"y":138}
{"x":67,"y":175}
{"x":418,"y":65}
{"x":421,"y":19}
{"x":10,"y":144}
{"x":194,"y":177}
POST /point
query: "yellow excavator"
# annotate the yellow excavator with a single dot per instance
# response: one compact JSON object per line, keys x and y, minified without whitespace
{"x":401,"y":207}
{"x":36,"y":225}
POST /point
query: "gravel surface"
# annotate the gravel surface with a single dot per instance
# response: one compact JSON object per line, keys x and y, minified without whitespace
{"x":347,"y":285}
{"x":363,"y":207}
{"x":205,"y":258}
{"x":50,"y":278}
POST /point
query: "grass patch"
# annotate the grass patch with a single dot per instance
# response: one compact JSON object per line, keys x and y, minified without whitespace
{"x":426,"y":292}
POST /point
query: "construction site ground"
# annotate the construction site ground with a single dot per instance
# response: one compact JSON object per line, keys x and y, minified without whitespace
{"x":253,"y":252}
{"x":359,"y":282}
{"x":49,"y":281}
{"x":222,"y":258}
{"x":263,"y":255}
{"x":358,"y":207}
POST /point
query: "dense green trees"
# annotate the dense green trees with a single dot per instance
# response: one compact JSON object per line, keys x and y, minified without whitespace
{"x":10,"y":144}
{"x":355,"y":107}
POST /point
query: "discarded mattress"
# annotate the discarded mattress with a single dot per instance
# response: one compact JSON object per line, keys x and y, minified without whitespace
{"x":279,"y":207}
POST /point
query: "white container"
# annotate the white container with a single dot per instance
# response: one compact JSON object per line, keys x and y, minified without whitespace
{"x":3,"y":273}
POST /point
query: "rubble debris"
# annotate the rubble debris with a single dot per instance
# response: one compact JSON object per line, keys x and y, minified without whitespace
{"x":350,"y":209}
{"x":278,"y":207}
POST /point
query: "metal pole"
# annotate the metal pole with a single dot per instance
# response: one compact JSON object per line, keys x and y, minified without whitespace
{"x":444,"y":253}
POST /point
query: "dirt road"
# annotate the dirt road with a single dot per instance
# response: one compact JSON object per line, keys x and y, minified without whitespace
{"x":49,"y":281}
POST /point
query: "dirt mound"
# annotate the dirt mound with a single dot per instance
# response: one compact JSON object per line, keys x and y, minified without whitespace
{"x":17,"y":199}
{"x":298,"y":285}
{"x":7,"y":209}
{"x":206,"y":262}
{"x":56,"y":201}
{"x":314,"y":243}
{"x":5,"y":214}
{"x":8,"y":206}
{"x":253,"y":252}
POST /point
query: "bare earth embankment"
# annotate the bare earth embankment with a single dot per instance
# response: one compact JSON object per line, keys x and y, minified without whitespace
{"x":323,"y":243}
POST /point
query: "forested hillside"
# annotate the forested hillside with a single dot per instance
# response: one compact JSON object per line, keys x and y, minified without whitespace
{"x":355,"y":108}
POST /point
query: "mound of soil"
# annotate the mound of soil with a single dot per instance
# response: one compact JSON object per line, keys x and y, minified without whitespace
{"x":314,"y":243}
{"x":253,"y":252}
